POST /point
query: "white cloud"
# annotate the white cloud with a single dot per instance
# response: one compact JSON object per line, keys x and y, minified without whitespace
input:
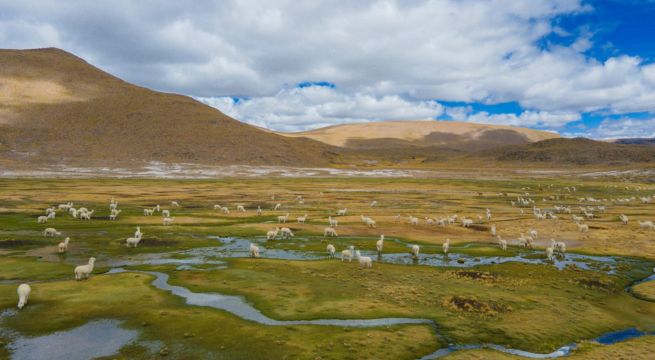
{"x":297,"y":109}
{"x":536,"y":119}
{"x":380,"y":53}
{"x":620,"y":128}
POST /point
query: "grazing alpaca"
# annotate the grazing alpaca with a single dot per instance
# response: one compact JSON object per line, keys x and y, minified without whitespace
{"x":330,"y":232}
{"x":624,"y":219}
{"x":254,"y":250}
{"x":168,"y":221}
{"x":331,"y":250}
{"x":415,"y":251}
{"x":51,"y":232}
{"x":549,"y":253}
{"x":286,"y":233}
{"x":379,"y":245}
{"x":502,"y":243}
{"x":348,"y":253}
{"x":63,"y":246}
{"x":342,"y":212}
{"x":42,"y":219}
{"x":24,"y":291}
{"x":83,"y":271}
{"x":272,"y":234}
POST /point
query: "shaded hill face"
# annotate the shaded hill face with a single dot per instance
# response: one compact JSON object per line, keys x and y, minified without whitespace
{"x":578,"y":151}
{"x":56,"y":107}
{"x":409,"y":134}
{"x":636,"y":141}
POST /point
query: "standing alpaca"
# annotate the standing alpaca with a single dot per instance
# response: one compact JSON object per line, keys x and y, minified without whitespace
{"x":348,"y":253}
{"x":24,"y":291}
{"x":415,"y":251}
{"x":379,"y":245}
{"x":133,"y":241}
{"x":364,"y":261}
{"x":493,"y":230}
{"x":168,"y":221}
{"x":446,"y":247}
{"x":624,"y":219}
{"x":83,"y":271}
{"x":549,"y":253}
{"x":342,"y":212}
{"x":42,"y":220}
{"x":166,"y":213}
{"x":502,"y":243}
{"x":51,"y":232}
{"x":272,"y":234}
{"x":259,"y":210}
{"x":333,"y":222}
{"x":301,"y":219}
{"x":331,"y":250}
{"x":254,"y":250}
{"x":63,"y":246}
{"x":283,"y":218}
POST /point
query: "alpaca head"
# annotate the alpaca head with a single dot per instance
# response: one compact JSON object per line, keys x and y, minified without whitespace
{"x":92,"y":260}
{"x":21,"y":303}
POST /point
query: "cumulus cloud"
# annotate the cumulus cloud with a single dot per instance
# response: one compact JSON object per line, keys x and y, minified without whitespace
{"x":377,"y":52}
{"x":307,"y":107}
{"x":620,"y":128}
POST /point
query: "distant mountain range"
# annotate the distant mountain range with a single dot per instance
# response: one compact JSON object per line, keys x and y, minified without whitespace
{"x":55,"y":108}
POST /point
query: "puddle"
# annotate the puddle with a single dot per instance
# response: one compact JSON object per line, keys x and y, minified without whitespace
{"x":94,"y":339}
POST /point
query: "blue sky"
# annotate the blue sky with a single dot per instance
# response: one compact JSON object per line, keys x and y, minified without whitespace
{"x":576,"y":67}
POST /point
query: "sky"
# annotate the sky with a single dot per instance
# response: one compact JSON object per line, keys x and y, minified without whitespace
{"x":579,"y":68}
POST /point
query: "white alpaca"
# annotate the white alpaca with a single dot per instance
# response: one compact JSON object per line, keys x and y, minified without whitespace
{"x":283,"y":218}
{"x":647,"y":225}
{"x":51,"y":215}
{"x":272,"y":234}
{"x":348,"y":253}
{"x":379,"y":245}
{"x":374,"y":203}
{"x":157,"y":208}
{"x":493,"y":230}
{"x":86,"y":215}
{"x":277,"y":206}
{"x":342,"y":212}
{"x":330,"y":232}
{"x":370,"y":222}
{"x":148,"y":212}
{"x":286,"y":233}
{"x":365,"y":262}
{"x":503,"y":243}
{"x":534,"y":234}
{"x":583,"y":228}
{"x":259,"y":210}
{"x":225,"y":210}
{"x":549,"y":253}
{"x":467,"y":222}
{"x":133,"y":241}
{"x":217,"y":207}
{"x":577,"y":219}
{"x":83,"y":271}
{"x":51,"y":232}
{"x":42,"y":219}
{"x":558,"y":246}
{"x":166,"y":213}
{"x":333,"y":222}
{"x":413,"y":220}
{"x":168,"y":221}
{"x":241,"y":208}
{"x":301,"y":219}
{"x":331,"y":250}
{"x":175,"y":204}
{"x":63,"y":246}
{"x":138,"y":232}
{"x":254,"y":250}
{"x":446,"y":246}
{"x":23,"y":291}
{"x":114,"y":214}
{"x":415,"y":250}
{"x":624,"y":219}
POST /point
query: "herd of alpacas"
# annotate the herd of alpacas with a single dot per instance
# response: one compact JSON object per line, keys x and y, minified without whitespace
{"x":522,"y":202}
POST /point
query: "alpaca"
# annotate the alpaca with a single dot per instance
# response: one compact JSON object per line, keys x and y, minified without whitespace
{"x":330,"y":232}
{"x":415,"y":251}
{"x":333,"y":222}
{"x":175,"y":204}
{"x":51,"y":232}
{"x":348,"y":253}
{"x":549,"y":253}
{"x":283,"y":218}
{"x":502,"y":243}
{"x":342,"y":212}
{"x":23,"y":291}
{"x":83,"y":271}
{"x":286,"y":233}
{"x":42,"y":220}
{"x":301,"y":219}
{"x":331,"y":250}
{"x":624,"y":219}
{"x":493,"y":230}
{"x":259,"y":211}
{"x":166,"y":213}
{"x":272,"y":234}
{"x":168,"y":221}
{"x":446,"y":247}
{"x":254,"y":250}
{"x":365,"y":262}
{"x":63,"y":246}
{"x":241,"y":208}
{"x":379,"y":245}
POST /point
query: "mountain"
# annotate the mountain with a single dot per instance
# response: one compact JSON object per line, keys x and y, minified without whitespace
{"x":427,"y":133}
{"x":635,"y":141}
{"x":57,"y":108}
{"x":577,"y":151}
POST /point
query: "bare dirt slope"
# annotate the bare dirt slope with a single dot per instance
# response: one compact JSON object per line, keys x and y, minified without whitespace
{"x":56,"y":107}
{"x":427,"y":133}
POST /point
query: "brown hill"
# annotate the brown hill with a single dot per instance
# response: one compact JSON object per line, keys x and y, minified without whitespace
{"x":577,"y":151}
{"x":426,"y":133}
{"x":56,"y":107}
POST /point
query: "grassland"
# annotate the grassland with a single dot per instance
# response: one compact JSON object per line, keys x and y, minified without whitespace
{"x":534,"y":307}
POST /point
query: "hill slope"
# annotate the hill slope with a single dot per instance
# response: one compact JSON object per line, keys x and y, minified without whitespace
{"x":56,"y":107}
{"x":447,"y":134}
{"x":578,"y":151}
